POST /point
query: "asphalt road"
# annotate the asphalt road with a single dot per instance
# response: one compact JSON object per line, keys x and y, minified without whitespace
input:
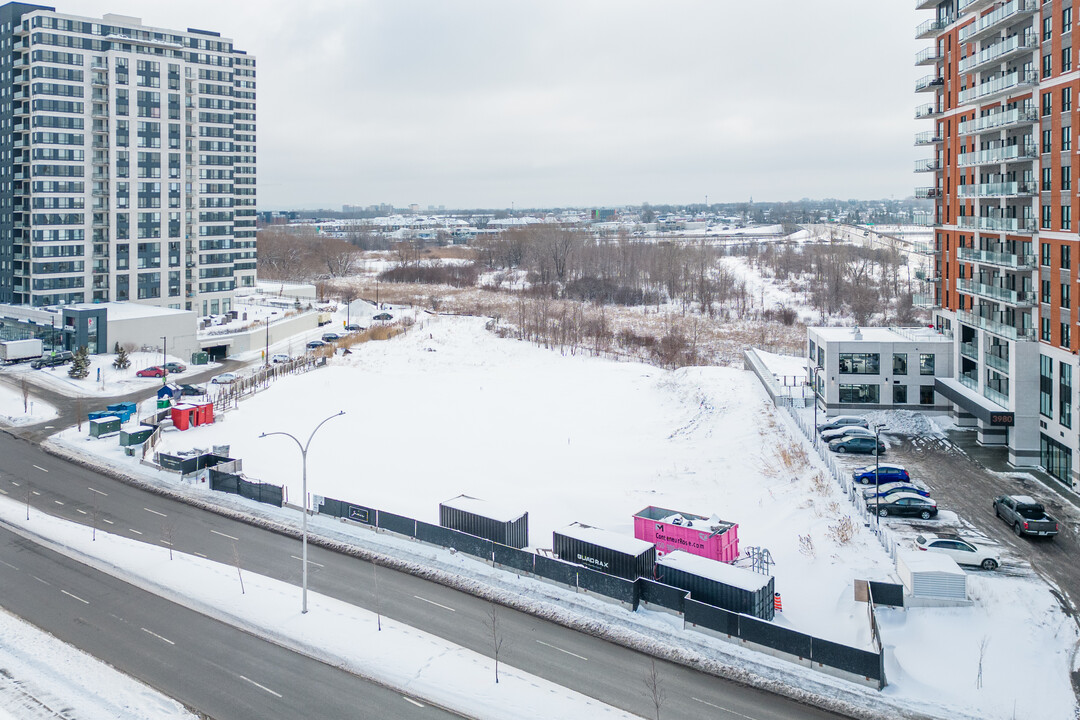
{"x":219,"y":670}
{"x":594,"y":667}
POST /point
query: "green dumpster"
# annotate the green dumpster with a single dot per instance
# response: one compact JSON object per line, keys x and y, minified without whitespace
{"x":163,"y":403}
{"x":200,"y":358}
{"x":104,"y":426}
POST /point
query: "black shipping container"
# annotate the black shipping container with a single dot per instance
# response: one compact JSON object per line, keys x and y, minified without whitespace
{"x":719,"y":584}
{"x":476,"y":517}
{"x":607,"y":552}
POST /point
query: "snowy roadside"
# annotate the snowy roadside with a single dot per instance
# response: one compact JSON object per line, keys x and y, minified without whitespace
{"x":387,"y":652}
{"x":14,"y":412}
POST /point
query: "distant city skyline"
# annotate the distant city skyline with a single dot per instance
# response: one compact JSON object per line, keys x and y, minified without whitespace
{"x":559,"y":103}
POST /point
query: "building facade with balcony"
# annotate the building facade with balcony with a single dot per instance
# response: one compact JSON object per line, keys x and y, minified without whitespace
{"x":1004,"y":81}
{"x":127,"y":163}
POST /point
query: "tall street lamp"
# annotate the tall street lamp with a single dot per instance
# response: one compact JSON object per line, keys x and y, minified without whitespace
{"x":266,"y":353}
{"x":164,"y":356}
{"x":814,"y":372}
{"x":877,"y":466}
{"x":303,"y":454}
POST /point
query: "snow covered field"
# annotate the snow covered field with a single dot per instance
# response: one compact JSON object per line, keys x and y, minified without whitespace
{"x":450,"y":409}
{"x":104,"y":380}
{"x":14,"y":412}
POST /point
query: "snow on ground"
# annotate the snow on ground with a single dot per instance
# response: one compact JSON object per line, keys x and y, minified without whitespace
{"x":450,"y":409}
{"x":104,"y":380}
{"x":765,"y":292}
{"x":44,"y":678}
{"x":14,"y":412}
{"x":784,"y":366}
{"x":344,"y":635}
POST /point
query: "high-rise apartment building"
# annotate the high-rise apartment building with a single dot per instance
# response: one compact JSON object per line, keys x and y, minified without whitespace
{"x":1002,"y":91}
{"x":127,"y":162}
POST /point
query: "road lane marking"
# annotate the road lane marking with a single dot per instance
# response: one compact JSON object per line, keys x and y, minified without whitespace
{"x":15,"y":483}
{"x":435,"y":603}
{"x":40,"y":468}
{"x":9,"y":565}
{"x":228,"y":536}
{"x":108,"y":521}
{"x":562,"y":651}
{"x":199,"y":554}
{"x":309,"y":562}
{"x":58,"y":502}
{"x":164,"y":639}
{"x":155,"y":512}
{"x":727,"y":710}
{"x":261,"y":687}
{"x":134,"y":531}
{"x":49,"y":427}
{"x":46,"y":582}
{"x":409,"y":699}
{"x":85,"y":602}
{"x":97,"y":491}
{"x":3,"y":492}
{"x":83,"y":512}
{"x":35,"y":492}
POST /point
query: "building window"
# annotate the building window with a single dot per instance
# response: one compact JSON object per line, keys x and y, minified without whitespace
{"x":860,"y":364}
{"x":1044,"y":251}
{"x":899,"y":364}
{"x":1066,"y":257}
{"x":1066,"y":177}
{"x":1066,"y":217}
{"x":860,"y":394}
{"x":1048,"y":140}
{"x":1066,"y":138}
{"x":813,"y":350}
{"x":820,"y":356}
{"x":1056,"y":458}
{"x":1045,"y":334}
{"x":1046,"y":386}
{"x":1048,"y":179}
{"x":1065,"y":394}
{"x":926,"y":363}
{"x":1048,"y":27}
{"x":1047,"y":216}
{"x":1045,"y":298}
{"x":1066,"y":62}
{"x":1047,"y":103}
{"x":1047,"y":65}
{"x":1066,"y":294}
{"x":926,"y":394}
{"x":1065,"y":335}
{"x":1066,"y":20}
{"x":899,"y":394}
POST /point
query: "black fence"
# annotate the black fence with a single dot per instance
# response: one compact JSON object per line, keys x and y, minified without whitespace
{"x":887,"y":594}
{"x":188,"y":464}
{"x":864,"y":663}
{"x":260,"y":492}
{"x":869,"y":665}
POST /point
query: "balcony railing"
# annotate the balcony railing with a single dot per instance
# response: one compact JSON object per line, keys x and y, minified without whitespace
{"x":926,"y":111}
{"x":931,"y":28}
{"x":926,"y":4}
{"x":991,"y":22}
{"x":927,"y":138}
{"x":928,"y":165}
{"x":929,"y":56}
{"x":928,"y":83}
{"x":992,"y":292}
{"x":968,"y":6}
{"x":924,"y":301}
{"x":1008,"y":260}
{"x":996,"y":224}
{"x":970,"y":349}
{"x":969,"y":380}
{"x":997,"y":362}
{"x":998,"y":52}
{"x":998,"y":328}
{"x":926,"y":193}
{"x":1016,"y":116}
{"x":997,"y":396}
{"x":1005,"y":189}
{"x":993,"y":156}
{"x":998,"y":86}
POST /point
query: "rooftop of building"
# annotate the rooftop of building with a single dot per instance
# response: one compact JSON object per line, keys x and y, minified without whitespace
{"x":130,"y":310}
{"x":879,"y":334}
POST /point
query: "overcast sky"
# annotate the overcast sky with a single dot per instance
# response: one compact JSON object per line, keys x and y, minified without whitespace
{"x":540,"y":103}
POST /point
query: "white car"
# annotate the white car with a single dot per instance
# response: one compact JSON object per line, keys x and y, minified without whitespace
{"x":280,"y":358}
{"x":849,"y":431}
{"x":225,"y":378}
{"x":964,"y":552}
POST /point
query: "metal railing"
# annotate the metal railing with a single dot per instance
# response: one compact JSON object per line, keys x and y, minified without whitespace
{"x":998,"y":85}
{"x":1026,"y":114}
{"x":1001,"y":189}
{"x":999,"y":154}
{"x":990,"y":21}
{"x":1013,"y":297}
{"x":996,"y":258}
{"x":997,"y":362}
{"x":998,"y":328}
{"x":996,"y":224}
{"x":1028,"y":41}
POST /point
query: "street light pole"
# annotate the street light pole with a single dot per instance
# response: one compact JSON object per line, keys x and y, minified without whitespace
{"x":266,"y":353}
{"x":877,"y":467}
{"x":303,"y":456}
{"x":164,"y":356}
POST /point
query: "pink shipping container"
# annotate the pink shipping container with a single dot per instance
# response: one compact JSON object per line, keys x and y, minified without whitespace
{"x":672,"y":530}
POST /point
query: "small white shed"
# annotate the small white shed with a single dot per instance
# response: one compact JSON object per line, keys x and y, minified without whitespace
{"x":932,"y":576}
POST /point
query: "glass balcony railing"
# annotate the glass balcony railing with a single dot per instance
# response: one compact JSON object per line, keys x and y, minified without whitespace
{"x":992,"y":292}
{"x":1006,"y":189}
{"x":1024,"y":115}
{"x":991,"y":88}
{"x":928,"y":83}
{"x":998,"y":328}
{"x":931,"y":27}
{"x":969,"y":380}
{"x":997,"y":396}
{"x":927,"y":165}
{"x":969,"y":6}
{"x":991,"y":22}
{"x":999,"y":155}
{"x":1009,"y":260}
{"x":999,"y":51}
{"x":927,"y":138}
{"x":926,"y":111}
{"x":924,"y":301}
{"x":928,"y":56}
{"x":969,"y":349}
{"x":926,"y":193}
{"x":996,"y":224}
{"x":997,"y":362}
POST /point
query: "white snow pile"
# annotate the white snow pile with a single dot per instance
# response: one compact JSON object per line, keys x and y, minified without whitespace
{"x":13,"y":411}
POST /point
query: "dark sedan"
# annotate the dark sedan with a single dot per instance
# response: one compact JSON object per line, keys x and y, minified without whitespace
{"x":858,"y":445}
{"x":905,"y":505}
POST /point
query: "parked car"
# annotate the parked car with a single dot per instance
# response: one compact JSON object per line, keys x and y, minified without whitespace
{"x":884,"y":474}
{"x":888,"y":488}
{"x":225,"y":378}
{"x":315,"y":344}
{"x":330,"y":337}
{"x":858,"y":445}
{"x":186,"y":390}
{"x":175,"y":367}
{"x":353,"y":328}
{"x":280,"y":358}
{"x":964,"y":552}
{"x":847,"y":431}
{"x":383,"y":317}
{"x":842,"y":421}
{"x":57,"y":358}
{"x":1026,"y":515}
{"x":151,"y":372}
{"x":905,"y":504}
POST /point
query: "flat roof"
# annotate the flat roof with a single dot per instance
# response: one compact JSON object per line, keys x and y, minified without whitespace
{"x":879,"y":334}
{"x":622,"y":543}
{"x":494,"y":510}
{"x":714,"y":570}
{"x":924,"y":561}
{"x":130,"y":310}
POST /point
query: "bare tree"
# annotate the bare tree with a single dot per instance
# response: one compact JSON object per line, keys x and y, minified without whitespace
{"x":236,"y":561}
{"x":982,"y":654}
{"x":496,"y":635}
{"x":167,"y":536}
{"x":655,"y":687}
{"x":25,"y":387}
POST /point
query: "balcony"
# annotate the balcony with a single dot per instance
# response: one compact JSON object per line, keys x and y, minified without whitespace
{"x":929,"y":56}
{"x":930,"y":28}
{"x":1001,"y":364}
{"x":997,"y":396}
{"x":999,"y":120}
{"x":970,"y":350}
{"x":928,"y":165}
{"x":993,"y":22}
{"x":930,"y":83}
{"x":998,"y":155}
{"x":1005,"y":189}
{"x":927,"y":138}
{"x":971,"y":6}
{"x":1000,"y":52}
{"x":926,"y":111}
{"x":970,"y":380}
{"x":998,"y":328}
{"x":1005,"y":260}
{"x":1004,"y":85}
{"x":926,"y":4}
{"x":926,"y":302}
{"x":996,"y":224}
{"x":999,"y":294}
{"x":927,"y":193}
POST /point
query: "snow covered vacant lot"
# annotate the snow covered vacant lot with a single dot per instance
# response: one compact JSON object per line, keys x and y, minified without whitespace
{"x":450,"y":409}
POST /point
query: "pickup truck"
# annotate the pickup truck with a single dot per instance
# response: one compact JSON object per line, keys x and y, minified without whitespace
{"x":1026,"y":516}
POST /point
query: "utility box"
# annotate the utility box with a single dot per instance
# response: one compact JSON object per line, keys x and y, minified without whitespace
{"x":719,"y":584}
{"x":189,"y":415}
{"x":200,"y":358}
{"x":931,"y":578}
{"x":671,"y":530}
{"x":604,"y":551}
{"x":99,"y":427}
{"x":490,"y":521}
{"x":135,"y":437}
